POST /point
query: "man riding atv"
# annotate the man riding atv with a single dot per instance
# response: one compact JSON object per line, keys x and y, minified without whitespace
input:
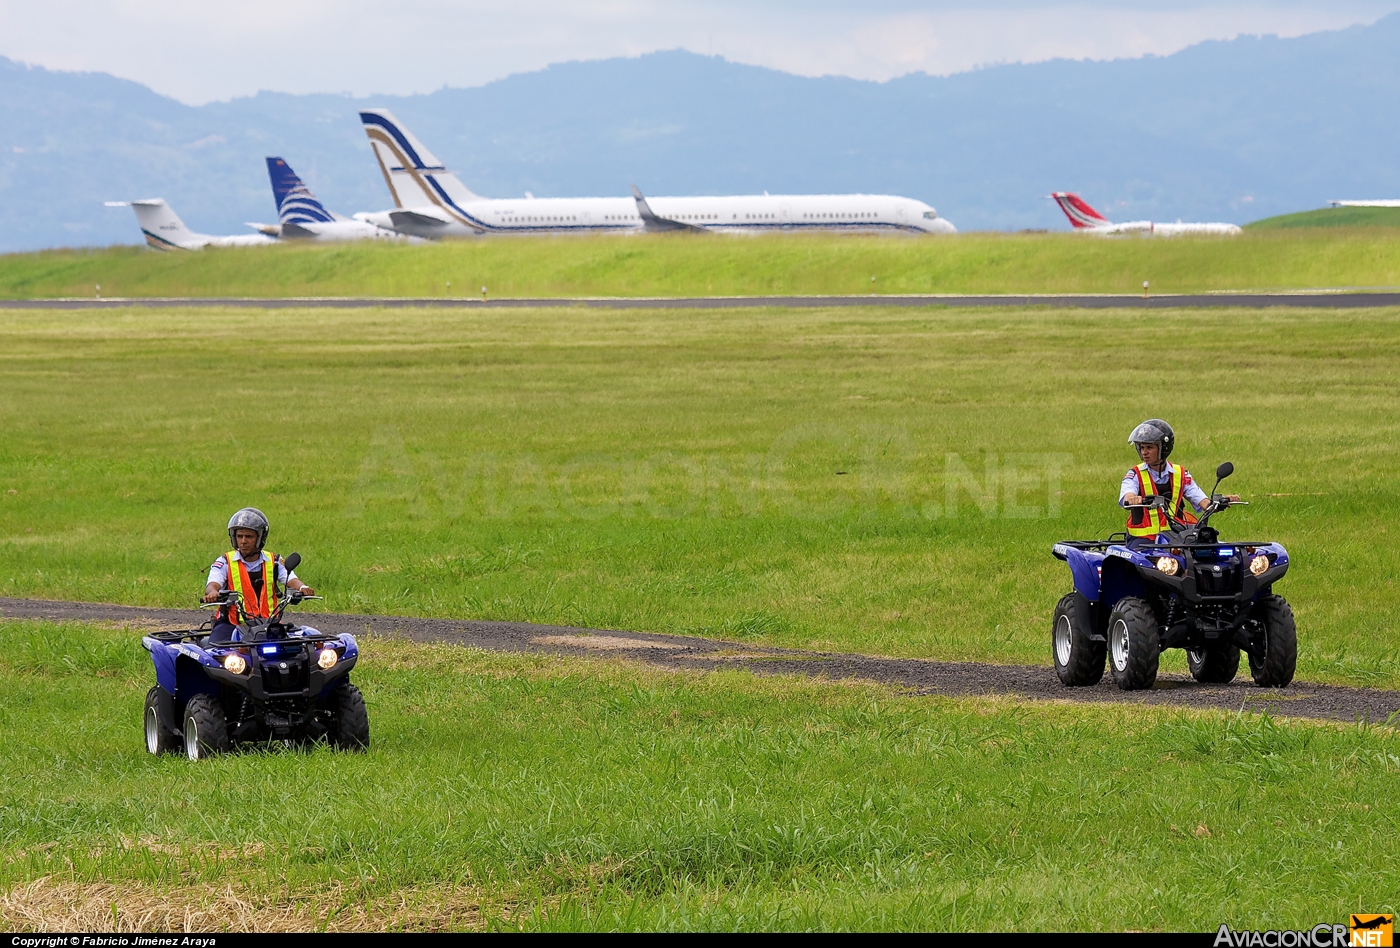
{"x":244,"y":570}
{"x":1154,"y":440}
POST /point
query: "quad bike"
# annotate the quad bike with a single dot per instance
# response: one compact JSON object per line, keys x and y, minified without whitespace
{"x":1134,"y":598}
{"x":270,"y":681}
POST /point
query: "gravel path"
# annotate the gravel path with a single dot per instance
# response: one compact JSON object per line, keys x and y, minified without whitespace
{"x":1301,"y":699}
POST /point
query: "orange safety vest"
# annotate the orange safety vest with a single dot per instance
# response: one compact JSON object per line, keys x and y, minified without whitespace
{"x":1143,"y":522}
{"x":254,"y":605}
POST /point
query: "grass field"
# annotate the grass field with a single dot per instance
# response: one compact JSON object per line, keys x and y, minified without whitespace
{"x":1347,"y":217}
{"x":1274,"y":257}
{"x":547,"y":793}
{"x":882,"y":481}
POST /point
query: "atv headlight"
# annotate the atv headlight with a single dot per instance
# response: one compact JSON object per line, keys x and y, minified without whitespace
{"x":327,"y":658}
{"x":235,"y":664}
{"x":1168,"y":565}
{"x":1259,"y":565}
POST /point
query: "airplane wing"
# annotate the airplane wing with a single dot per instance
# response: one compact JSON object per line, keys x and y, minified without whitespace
{"x":272,"y":230}
{"x":403,"y":218}
{"x":651,"y":222}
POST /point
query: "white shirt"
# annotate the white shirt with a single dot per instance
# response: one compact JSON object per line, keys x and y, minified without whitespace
{"x":1162,"y":479}
{"x":218,"y":573}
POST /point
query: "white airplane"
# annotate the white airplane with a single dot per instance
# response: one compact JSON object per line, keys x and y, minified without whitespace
{"x":1084,"y":218}
{"x":165,"y":231}
{"x":430,"y":202}
{"x":1377,"y":203}
{"x":301,"y":217}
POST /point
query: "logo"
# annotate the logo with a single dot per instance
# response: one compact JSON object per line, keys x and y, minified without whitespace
{"x":1372,"y":931}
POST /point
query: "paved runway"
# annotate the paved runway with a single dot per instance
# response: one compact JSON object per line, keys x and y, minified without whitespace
{"x":1325,"y":300}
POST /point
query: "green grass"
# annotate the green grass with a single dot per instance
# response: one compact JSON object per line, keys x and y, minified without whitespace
{"x":769,"y":476}
{"x":720,"y":265}
{"x":1347,"y":217}
{"x":537,"y":792}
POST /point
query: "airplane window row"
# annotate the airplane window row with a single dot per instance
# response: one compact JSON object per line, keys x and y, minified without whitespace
{"x":618,"y":217}
{"x":560,"y":218}
{"x":863,"y":214}
{"x":697,"y":217}
{"x":759,"y":216}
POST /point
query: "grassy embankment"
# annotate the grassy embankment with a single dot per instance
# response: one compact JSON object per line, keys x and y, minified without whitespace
{"x":535,"y":792}
{"x":1267,"y":259}
{"x":773,"y":476}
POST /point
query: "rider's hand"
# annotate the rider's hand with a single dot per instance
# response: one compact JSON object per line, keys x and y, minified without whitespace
{"x":210,"y":597}
{"x":306,"y":590}
{"x":1133,"y":500}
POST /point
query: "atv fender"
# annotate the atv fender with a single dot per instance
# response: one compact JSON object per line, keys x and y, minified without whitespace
{"x":1083,"y":567}
{"x":1121,"y":577}
{"x":163,"y":657}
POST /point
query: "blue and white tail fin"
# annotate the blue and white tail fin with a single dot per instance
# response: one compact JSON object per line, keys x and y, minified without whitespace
{"x":295,"y":202}
{"x":161,"y":226}
{"x":415,"y":177}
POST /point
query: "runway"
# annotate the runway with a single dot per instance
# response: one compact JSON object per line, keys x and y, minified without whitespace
{"x":1304,"y":300}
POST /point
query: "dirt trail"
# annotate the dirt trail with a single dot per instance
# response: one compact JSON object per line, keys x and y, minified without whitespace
{"x":1301,"y":699}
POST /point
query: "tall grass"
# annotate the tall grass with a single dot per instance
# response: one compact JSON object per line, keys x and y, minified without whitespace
{"x":529,"y":791}
{"x":771,"y":476}
{"x":662,"y":265}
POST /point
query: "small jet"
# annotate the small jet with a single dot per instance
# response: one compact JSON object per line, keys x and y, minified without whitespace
{"x":1385,"y":202}
{"x":1087,"y":220}
{"x":164,"y":230}
{"x":301,"y":217}
{"x":430,"y":202}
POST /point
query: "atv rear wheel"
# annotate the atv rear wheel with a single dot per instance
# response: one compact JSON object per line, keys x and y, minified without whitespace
{"x":1078,"y":660}
{"x":206,"y":728}
{"x":1133,"y":644}
{"x":351,"y":731}
{"x":1215,"y":666}
{"x":1277,"y":633}
{"x":161,"y":734}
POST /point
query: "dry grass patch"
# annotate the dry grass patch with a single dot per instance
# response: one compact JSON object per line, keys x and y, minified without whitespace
{"x":47,"y":904}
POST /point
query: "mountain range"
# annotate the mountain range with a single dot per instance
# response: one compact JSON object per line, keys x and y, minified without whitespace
{"x":1230,"y":130}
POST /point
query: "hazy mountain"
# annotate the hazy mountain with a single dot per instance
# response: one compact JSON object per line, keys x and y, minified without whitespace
{"x":1231,"y":130}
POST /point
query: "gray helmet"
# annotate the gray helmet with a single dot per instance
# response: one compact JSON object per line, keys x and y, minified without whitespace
{"x":249,"y":518}
{"x":1155,"y":431}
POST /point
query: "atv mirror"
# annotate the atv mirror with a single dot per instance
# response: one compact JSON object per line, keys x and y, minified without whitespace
{"x":1221,"y":472}
{"x":292,"y":562}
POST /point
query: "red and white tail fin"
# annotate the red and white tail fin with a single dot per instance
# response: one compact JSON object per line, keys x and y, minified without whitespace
{"x":1080,"y":214}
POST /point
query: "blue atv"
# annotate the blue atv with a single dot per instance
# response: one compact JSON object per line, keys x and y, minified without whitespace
{"x":269,"y":681}
{"x":1134,"y":598}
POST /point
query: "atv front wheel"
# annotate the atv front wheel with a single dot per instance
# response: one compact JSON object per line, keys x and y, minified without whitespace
{"x":351,"y":730}
{"x":206,"y":728}
{"x":161,"y":735}
{"x":1216,"y":666}
{"x":1133,"y":644}
{"x":1078,"y":660}
{"x":1277,"y":633}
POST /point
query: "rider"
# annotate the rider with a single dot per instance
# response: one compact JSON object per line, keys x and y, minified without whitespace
{"x":244,"y":570}
{"x":1154,"y":439}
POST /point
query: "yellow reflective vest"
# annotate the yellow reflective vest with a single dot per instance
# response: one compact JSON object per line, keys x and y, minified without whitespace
{"x":1144,"y":522}
{"x":253,"y":605}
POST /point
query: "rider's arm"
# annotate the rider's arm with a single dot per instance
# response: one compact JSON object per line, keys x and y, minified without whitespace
{"x":1127,"y":491}
{"x":1193,"y":492}
{"x":218,"y":576}
{"x":291,"y":580}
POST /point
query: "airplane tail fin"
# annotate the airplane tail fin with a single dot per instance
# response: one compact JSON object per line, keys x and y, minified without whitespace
{"x":161,"y":226}
{"x":1080,"y":214}
{"x":295,"y":202}
{"x":415,"y":176}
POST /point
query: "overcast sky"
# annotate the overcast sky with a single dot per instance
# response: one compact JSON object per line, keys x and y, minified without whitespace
{"x":200,"y":50}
